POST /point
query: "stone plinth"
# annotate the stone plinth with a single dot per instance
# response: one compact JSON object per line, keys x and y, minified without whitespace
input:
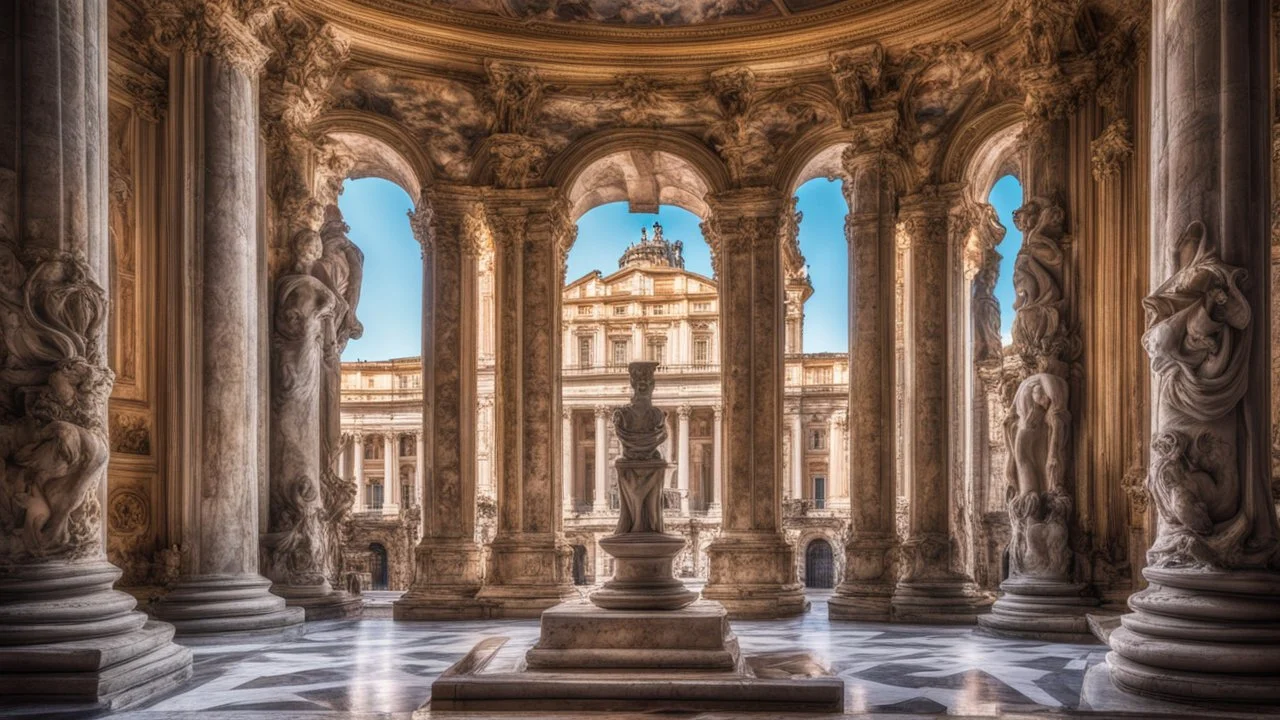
{"x":753,"y":575}
{"x":1041,"y":610}
{"x":1199,"y":635}
{"x":446,"y":580}
{"x":581,"y":635}
{"x":321,"y":602}
{"x":643,"y":579}
{"x":490,"y":679}
{"x":218,"y":605}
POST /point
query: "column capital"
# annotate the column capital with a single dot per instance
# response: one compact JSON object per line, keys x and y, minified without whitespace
{"x":602,"y":412}
{"x":683,"y":411}
{"x":718,"y":409}
{"x":218,"y":28}
{"x":452,"y":214}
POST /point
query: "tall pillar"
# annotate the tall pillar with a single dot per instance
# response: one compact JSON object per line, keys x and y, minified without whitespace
{"x":600,"y":502}
{"x":928,"y":589}
{"x":871,"y":549}
{"x":717,"y":430}
{"x":835,"y":461}
{"x":391,"y":468}
{"x":419,"y":464}
{"x":752,"y":567}
{"x":797,"y":456}
{"x":341,"y":467}
{"x":214,"y":113}
{"x":65,"y":634}
{"x":362,"y":495}
{"x":1205,"y":629}
{"x":529,"y":562}
{"x":566,"y":459}
{"x":449,"y":224}
{"x":682,"y":457}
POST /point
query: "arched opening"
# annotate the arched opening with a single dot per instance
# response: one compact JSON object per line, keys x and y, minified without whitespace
{"x":579,"y":565}
{"x":379,"y":567}
{"x":819,"y":565}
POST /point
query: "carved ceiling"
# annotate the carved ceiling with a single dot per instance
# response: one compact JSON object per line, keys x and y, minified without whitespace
{"x":666,"y":13}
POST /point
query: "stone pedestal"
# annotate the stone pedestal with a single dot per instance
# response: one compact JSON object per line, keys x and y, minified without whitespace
{"x":220,"y":605}
{"x":446,"y":580}
{"x":321,"y":601}
{"x":643,"y":578}
{"x":753,"y":575}
{"x":581,"y":635}
{"x":1041,"y":610}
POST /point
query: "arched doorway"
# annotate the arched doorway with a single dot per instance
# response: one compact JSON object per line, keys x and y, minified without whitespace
{"x":378,"y":567}
{"x":579,"y":565}
{"x":819,"y":565}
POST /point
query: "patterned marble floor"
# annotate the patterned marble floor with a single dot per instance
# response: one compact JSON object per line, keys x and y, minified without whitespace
{"x":377,"y":668}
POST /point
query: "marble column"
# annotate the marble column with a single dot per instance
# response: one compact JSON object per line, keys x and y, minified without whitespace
{"x":65,"y":635}
{"x":449,"y":225}
{"x":1206,"y":626}
{"x":752,"y":567}
{"x":419,"y":465}
{"x":682,"y":457}
{"x":600,"y":496}
{"x":566,"y":459}
{"x":928,"y":590}
{"x":717,"y":431}
{"x":362,"y":495}
{"x":214,"y":110}
{"x":529,"y":561}
{"x":391,"y":468}
{"x":797,"y":457}
{"x":870,"y":571}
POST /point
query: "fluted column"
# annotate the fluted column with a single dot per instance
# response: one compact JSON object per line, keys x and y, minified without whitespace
{"x":362,"y":495}
{"x":529,"y":562}
{"x":566,"y":459}
{"x":601,"y":489}
{"x":682,"y":457}
{"x":65,"y":634}
{"x":836,"y":487}
{"x":929,"y":590}
{"x":391,"y":469}
{"x":1205,"y":629}
{"x":449,"y":224}
{"x":717,"y":430}
{"x":752,"y":567}
{"x":870,"y":571}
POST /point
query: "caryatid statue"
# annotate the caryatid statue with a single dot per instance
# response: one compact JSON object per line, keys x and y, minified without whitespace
{"x":1036,"y":432}
{"x":641,"y":429}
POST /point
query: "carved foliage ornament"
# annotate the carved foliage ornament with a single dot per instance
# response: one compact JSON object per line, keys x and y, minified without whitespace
{"x":220,"y":28}
{"x":1110,"y":149}
{"x":858,"y":77}
{"x":53,"y":396}
{"x":1214,"y":511}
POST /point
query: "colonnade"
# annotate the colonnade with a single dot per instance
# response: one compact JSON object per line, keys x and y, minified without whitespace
{"x":352,"y":455}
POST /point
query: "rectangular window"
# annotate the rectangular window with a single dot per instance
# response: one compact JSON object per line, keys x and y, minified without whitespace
{"x":619,"y":309}
{"x":620,"y":354}
{"x":584,"y":309}
{"x":819,"y":492}
{"x":701,"y":351}
{"x":373,"y":496}
{"x":702,"y":307}
{"x":658,"y":350}
{"x":584,"y":351}
{"x":657,"y":309}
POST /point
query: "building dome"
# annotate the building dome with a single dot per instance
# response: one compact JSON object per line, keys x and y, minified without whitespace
{"x":653,"y":252}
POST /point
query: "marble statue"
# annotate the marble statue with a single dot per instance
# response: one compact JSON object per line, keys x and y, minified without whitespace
{"x":641,"y":429}
{"x":1198,"y":337}
{"x":1037,"y":279}
{"x":1036,"y":431}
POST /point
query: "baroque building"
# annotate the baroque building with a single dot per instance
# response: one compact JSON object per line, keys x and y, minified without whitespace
{"x":184,"y":460}
{"x":651,"y":309}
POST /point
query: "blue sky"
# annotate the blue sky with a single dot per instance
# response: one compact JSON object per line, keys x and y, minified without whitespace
{"x":391,"y":305}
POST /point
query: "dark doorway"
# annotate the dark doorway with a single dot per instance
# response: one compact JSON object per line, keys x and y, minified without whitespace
{"x":579,"y":565}
{"x":378,"y":567}
{"x":819,"y":570}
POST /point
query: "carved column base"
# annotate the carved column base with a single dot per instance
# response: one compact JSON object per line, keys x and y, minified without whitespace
{"x":869,"y":578}
{"x":754,"y":576}
{"x":527,"y":576}
{"x":321,"y":602}
{"x":1041,"y":610}
{"x":66,"y":636}
{"x":446,"y":579}
{"x":217,"y":605}
{"x":1201,"y":636}
{"x":930,"y":592}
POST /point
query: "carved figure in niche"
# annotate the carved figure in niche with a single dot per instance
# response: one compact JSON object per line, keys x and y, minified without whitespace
{"x":987,"y":234}
{"x":54,"y":385}
{"x":1199,"y":337}
{"x":1037,"y":279}
{"x":295,"y":548}
{"x":1036,"y":431}
{"x":641,"y":429}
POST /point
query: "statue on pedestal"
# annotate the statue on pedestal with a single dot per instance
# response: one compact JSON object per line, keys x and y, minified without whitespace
{"x":641,"y":429}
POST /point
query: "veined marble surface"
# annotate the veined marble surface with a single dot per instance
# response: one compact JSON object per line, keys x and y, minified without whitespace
{"x":379,"y":668}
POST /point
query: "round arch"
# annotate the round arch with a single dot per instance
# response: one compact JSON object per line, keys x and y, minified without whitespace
{"x":984,"y":150}
{"x":380,"y":148}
